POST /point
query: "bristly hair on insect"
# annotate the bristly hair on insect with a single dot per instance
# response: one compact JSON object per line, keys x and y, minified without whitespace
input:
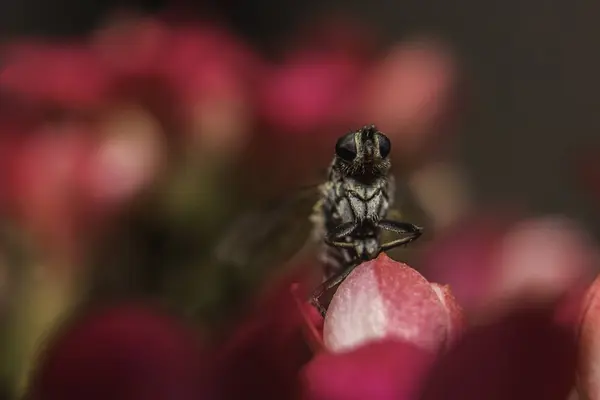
{"x":354,"y":202}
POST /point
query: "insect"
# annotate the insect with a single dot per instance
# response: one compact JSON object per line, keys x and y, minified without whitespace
{"x":346,"y":215}
{"x":354,"y":204}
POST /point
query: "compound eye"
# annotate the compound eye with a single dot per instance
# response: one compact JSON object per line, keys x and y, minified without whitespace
{"x":385,"y":146}
{"x":345,"y":148}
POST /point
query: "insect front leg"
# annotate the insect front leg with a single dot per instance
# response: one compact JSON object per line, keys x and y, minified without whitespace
{"x":335,"y":280}
{"x":333,"y":238}
{"x":412,"y":232}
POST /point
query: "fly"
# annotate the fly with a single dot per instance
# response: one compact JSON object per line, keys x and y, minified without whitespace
{"x":347,"y":216}
{"x":351,"y":213}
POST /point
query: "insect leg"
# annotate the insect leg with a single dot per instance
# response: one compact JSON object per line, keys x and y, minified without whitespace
{"x":330,"y":283}
{"x":413,"y":233}
{"x":339,"y":232}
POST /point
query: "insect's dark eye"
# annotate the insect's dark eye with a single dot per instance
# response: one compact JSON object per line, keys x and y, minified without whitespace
{"x":384,"y":146}
{"x":345,"y":148}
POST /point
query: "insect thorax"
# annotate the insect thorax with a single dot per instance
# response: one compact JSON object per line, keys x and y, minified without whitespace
{"x":344,"y":199}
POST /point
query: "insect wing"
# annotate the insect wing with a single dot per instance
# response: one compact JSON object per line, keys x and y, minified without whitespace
{"x":268,"y":237}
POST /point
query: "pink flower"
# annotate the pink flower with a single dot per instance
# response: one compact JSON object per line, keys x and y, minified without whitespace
{"x":63,"y":75}
{"x":131,"y":46}
{"x":385,"y":369}
{"x":38,"y":180}
{"x":264,"y":351}
{"x":411,"y":94}
{"x":523,"y":356}
{"x":63,"y":181}
{"x":213,"y":76}
{"x":310,"y":91}
{"x":529,"y":352}
{"x":386,"y":299}
{"x":315,"y":88}
{"x":96,"y":119}
{"x":494,"y":262}
{"x":124,"y":351}
{"x":589,"y":349}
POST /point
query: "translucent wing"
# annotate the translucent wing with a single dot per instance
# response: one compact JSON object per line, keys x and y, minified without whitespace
{"x":253,"y":250}
{"x":269,"y":236}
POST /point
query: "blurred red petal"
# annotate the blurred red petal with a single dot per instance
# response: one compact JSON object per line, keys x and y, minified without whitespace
{"x":40,"y":183}
{"x":266,"y":351}
{"x":493,"y":262}
{"x":589,"y":345}
{"x":383,"y":298}
{"x":408,"y":94}
{"x":125,"y":158}
{"x":454,"y":311}
{"x":383,"y":370}
{"x":461,"y":255}
{"x":526,"y":355}
{"x":127,"y":351}
{"x":208,"y":62}
{"x":544,"y":257}
{"x":60,"y":75}
{"x":313,"y":322}
{"x":310,"y":90}
{"x":132,"y":46}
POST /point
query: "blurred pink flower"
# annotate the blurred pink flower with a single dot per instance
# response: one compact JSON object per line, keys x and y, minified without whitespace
{"x":37,"y":177}
{"x":99,"y":115}
{"x":214,"y":75}
{"x":199,"y":76}
{"x":263,"y":353}
{"x":310,"y":91}
{"x":131,"y":46}
{"x":525,"y":355}
{"x":410,"y":94}
{"x":54,"y":75}
{"x":529,"y":352}
{"x":493,"y":262}
{"x":386,"y":369}
{"x":62,"y":181}
{"x":314,"y":88}
{"x":589,"y":347}
{"x":123,"y":351}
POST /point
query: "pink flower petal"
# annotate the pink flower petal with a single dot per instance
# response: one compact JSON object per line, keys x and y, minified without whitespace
{"x":313,"y":322}
{"x":62,"y":75}
{"x":384,"y":370}
{"x":494,"y":263}
{"x":524,"y":356}
{"x":589,"y":345}
{"x":127,"y":351}
{"x":309,"y":91}
{"x":266,"y":351}
{"x":383,"y":298}
{"x":409,"y":92}
{"x":131,"y":46}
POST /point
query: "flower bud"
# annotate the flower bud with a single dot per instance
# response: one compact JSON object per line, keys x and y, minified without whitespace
{"x":383,"y":298}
